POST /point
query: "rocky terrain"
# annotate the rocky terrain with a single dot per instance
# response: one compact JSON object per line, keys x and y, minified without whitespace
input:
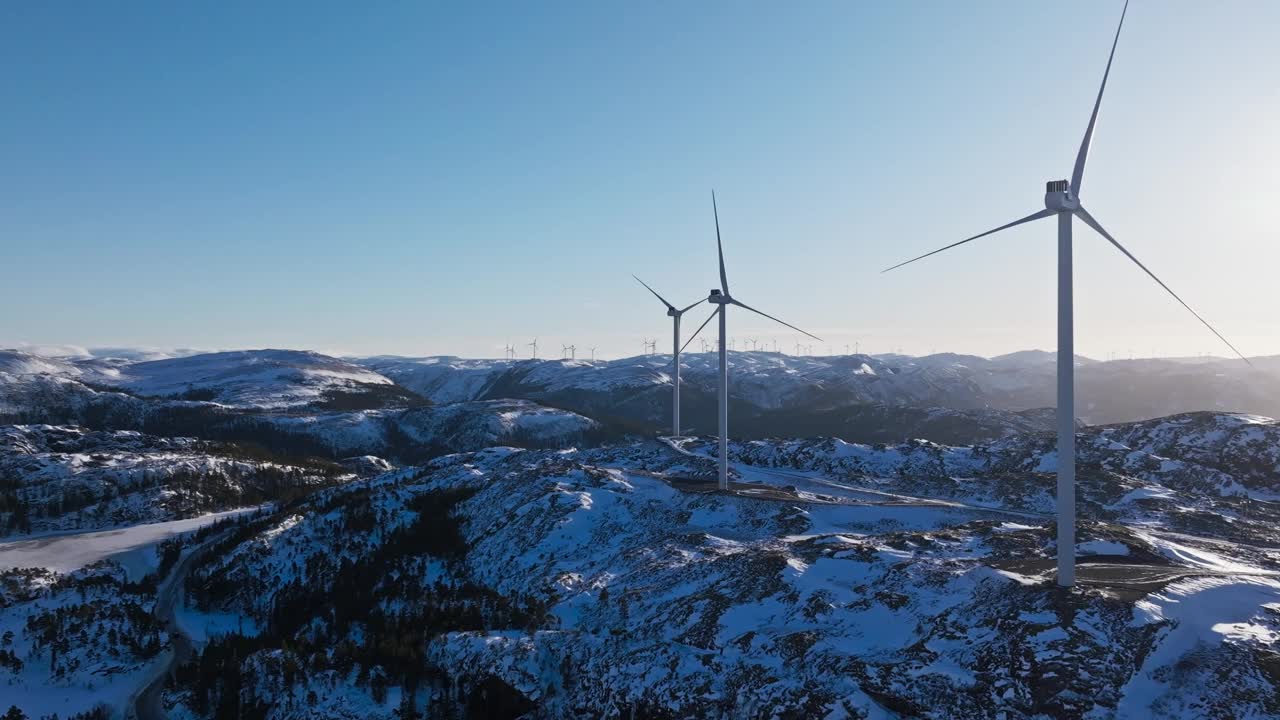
{"x":56,"y":478}
{"x":766,"y":382}
{"x":615,"y":581}
{"x":443,"y":538}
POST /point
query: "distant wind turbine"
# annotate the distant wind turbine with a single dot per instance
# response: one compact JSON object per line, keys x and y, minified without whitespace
{"x":1062,"y":199}
{"x":568,"y":351}
{"x":675,"y":314}
{"x":721,"y":297}
{"x":534,"y":345}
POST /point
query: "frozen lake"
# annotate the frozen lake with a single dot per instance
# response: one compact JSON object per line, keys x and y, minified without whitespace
{"x":133,"y":547}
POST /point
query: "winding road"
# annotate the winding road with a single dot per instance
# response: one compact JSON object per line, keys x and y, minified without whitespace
{"x":145,"y":704}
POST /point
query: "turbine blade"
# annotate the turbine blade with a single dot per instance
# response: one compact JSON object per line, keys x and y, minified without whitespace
{"x":691,"y":306}
{"x":655,"y":292}
{"x":1033,"y":216}
{"x":1088,"y":219}
{"x":695,"y":332}
{"x":1077,"y":175}
{"x":744,"y":306}
{"x":724,"y":279}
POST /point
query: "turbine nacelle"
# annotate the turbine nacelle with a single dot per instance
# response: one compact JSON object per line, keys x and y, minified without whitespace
{"x":718,"y":298}
{"x":1059,"y":198}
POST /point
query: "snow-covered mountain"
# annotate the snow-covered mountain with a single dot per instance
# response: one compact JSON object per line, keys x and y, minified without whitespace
{"x":834,"y":580}
{"x":423,"y":432}
{"x":58,"y":478}
{"x":299,"y":404}
{"x":605,"y":582}
{"x":947,"y":398}
{"x":762,"y":383}
{"x":261,"y":379}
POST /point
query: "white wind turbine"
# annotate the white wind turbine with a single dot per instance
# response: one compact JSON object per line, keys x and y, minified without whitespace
{"x":675,"y":314}
{"x":1062,"y":199}
{"x":721,"y":297}
{"x":534,"y":345}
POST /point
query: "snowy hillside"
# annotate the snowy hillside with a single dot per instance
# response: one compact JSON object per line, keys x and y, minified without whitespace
{"x":78,"y":637}
{"x":1117,"y":391}
{"x":424,"y":432}
{"x":1206,"y":474}
{"x":947,"y":398}
{"x":602,"y":582}
{"x":268,"y":379}
{"x":833,"y":580}
{"x":68,"y":478}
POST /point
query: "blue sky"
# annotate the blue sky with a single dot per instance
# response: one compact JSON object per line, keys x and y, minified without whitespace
{"x":414,"y":178}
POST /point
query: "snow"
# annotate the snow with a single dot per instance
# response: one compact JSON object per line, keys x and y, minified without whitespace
{"x":249,"y":378}
{"x":1101,"y":547}
{"x":200,"y":626}
{"x":38,"y":698}
{"x":1197,"y":557}
{"x":1201,"y":613}
{"x":133,"y":547}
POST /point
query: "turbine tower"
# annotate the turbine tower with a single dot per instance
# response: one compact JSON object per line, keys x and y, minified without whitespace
{"x":675,"y":314}
{"x":1062,"y":199}
{"x":593,"y":353}
{"x":722,"y":299}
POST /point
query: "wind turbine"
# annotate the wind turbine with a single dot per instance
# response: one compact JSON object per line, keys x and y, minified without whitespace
{"x":1062,"y":199}
{"x":675,"y":314}
{"x":720,"y":297}
{"x":534,"y":345}
{"x":568,"y":351}
{"x":593,"y":353}
{"x":510,"y":350}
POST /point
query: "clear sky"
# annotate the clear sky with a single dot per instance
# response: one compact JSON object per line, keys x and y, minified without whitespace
{"x":419,"y":178}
